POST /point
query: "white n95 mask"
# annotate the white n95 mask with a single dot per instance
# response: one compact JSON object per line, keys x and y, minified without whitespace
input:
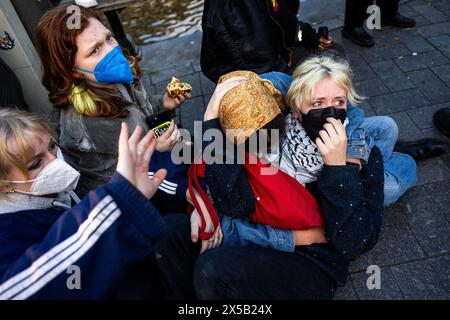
{"x":56,"y":177}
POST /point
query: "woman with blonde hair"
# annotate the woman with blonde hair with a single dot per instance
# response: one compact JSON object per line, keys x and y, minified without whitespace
{"x":96,"y":87}
{"x":321,"y":88}
{"x":107,"y":238}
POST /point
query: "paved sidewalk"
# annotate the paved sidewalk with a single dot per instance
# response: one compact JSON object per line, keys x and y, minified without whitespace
{"x":406,"y":76}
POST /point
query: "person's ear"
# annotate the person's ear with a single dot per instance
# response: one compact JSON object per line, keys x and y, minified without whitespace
{"x":77,"y":75}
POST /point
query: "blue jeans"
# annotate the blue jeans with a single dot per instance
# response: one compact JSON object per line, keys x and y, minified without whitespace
{"x":399,"y":169}
{"x":240,"y":232}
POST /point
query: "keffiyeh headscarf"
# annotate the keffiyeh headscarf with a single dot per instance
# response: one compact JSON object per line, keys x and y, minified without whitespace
{"x":299,"y":156}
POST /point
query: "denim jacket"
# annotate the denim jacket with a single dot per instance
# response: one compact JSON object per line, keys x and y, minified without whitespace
{"x":89,"y":144}
{"x":358,"y":145}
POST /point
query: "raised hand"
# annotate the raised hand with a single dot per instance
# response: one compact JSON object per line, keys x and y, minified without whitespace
{"x":332,"y":143}
{"x":134,"y":158}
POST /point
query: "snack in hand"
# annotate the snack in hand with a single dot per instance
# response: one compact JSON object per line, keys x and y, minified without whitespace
{"x":176,"y":87}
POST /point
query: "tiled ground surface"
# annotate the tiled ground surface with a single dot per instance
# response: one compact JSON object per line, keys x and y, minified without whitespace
{"x":406,"y":76}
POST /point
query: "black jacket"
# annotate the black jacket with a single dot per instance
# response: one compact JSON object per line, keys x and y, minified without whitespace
{"x":249,"y":35}
{"x":351,"y":203}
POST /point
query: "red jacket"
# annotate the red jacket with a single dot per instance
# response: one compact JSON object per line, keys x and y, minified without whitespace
{"x":280,"y":200}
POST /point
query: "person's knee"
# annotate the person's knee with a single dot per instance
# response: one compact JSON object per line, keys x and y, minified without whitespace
{"x":390,"y":128}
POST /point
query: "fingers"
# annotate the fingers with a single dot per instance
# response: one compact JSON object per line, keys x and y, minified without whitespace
{"x":159,"y":176}
{"x":123,"y":138}
{"x":134,"y":139}
{"x":195,"y":226}
{"x":166,"y":135}
{"x":175,"y":136}
{"x":329,"y":128}
{"x":325,"y":137}
{"x":322,"y":147}
{"x":205,"y":246}
{"x":338,"y":126}
{"x":149,"y":150}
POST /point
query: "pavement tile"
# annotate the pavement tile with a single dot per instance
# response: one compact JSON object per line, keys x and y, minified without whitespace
{"x":389,"y":289}
{"x":390,"y":249}
{"x":436,"y":29}
{"x":432,"y":170}
{"x":386,"y":69}
{"x":398,"y":101}
{"x":346,"y":292}
{"x":443,"y":72}
{"x":430,"y":12}
{"x":381,"y":53}
{"x":424,"y":280}
{"x":208,"y":86}
{"x":408,"y":131}
{"x":421,"y":61}
{"x":442,"y":43}
{"x":371,"y":87}
{"x":430,"y":85}
{"x":414,"y":41}
{"x":440,"y":192}
{"x":398,"y":83}
{"x":435,"y":133}
{"x":191,"y":110}
{"x":423,"y":117}
{"x":174,"y":71}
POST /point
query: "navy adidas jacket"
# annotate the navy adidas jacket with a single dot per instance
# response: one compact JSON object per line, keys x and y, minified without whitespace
{"x":110,"y":230}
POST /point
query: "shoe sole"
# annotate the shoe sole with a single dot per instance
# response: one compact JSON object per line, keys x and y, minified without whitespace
{"x":359,"y":42}
{"x":387,"y":23}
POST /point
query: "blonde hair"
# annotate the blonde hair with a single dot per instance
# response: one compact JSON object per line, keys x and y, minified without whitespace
{"x":308,"y":74}
{"x":15,"y":128}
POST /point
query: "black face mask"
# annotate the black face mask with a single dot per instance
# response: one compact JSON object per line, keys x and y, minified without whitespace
{"x":314,"y":120}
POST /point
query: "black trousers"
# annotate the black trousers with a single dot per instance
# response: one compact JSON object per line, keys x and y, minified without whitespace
{"x":235,"y":273}
{"x":355,"y":11}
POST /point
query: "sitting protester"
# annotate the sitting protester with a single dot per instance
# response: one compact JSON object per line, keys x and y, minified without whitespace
{"x":351,"y":201}
{"x":107,"y":239}
{"x":97,"y":87}
{"x":321,"y":87}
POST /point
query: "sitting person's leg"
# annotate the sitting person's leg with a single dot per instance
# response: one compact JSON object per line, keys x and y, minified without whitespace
{"x":399,"y":169}
{"x":384,"y":132}
{"x":175,"y":257}
{"x":259,"y":273}
{"x":399,"y":175}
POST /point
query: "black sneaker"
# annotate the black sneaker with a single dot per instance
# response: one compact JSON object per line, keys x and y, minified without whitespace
{"x":398,"y":20}
{"x":359,"y":36}
{"x":422,"y":149}
{"x":441,"y":120}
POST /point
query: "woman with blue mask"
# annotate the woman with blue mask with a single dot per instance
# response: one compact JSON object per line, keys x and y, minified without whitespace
{"x":96,"y":86}
{"x":104,"y":243}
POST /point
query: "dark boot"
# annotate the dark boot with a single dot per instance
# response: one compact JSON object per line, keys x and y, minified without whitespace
{"x":359,"y":36}
{"x":398,"y":20}
{"x":441,"y":120}
{"x":422,"y":149}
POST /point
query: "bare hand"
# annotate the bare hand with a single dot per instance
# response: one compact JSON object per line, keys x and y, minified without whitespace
{"x":309,"y":236}
{"x":134,"y":157}
{"x":325,"y":43}
{"x":214,"y":242}
{"x":170,"y":104}
{"x":212,"y":110}
{"x":332,"y":143}
{"x":355,"y":161}
{"x":169,"y":139}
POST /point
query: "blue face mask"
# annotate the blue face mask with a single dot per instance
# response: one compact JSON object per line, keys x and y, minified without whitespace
{"x":113,"y":68}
